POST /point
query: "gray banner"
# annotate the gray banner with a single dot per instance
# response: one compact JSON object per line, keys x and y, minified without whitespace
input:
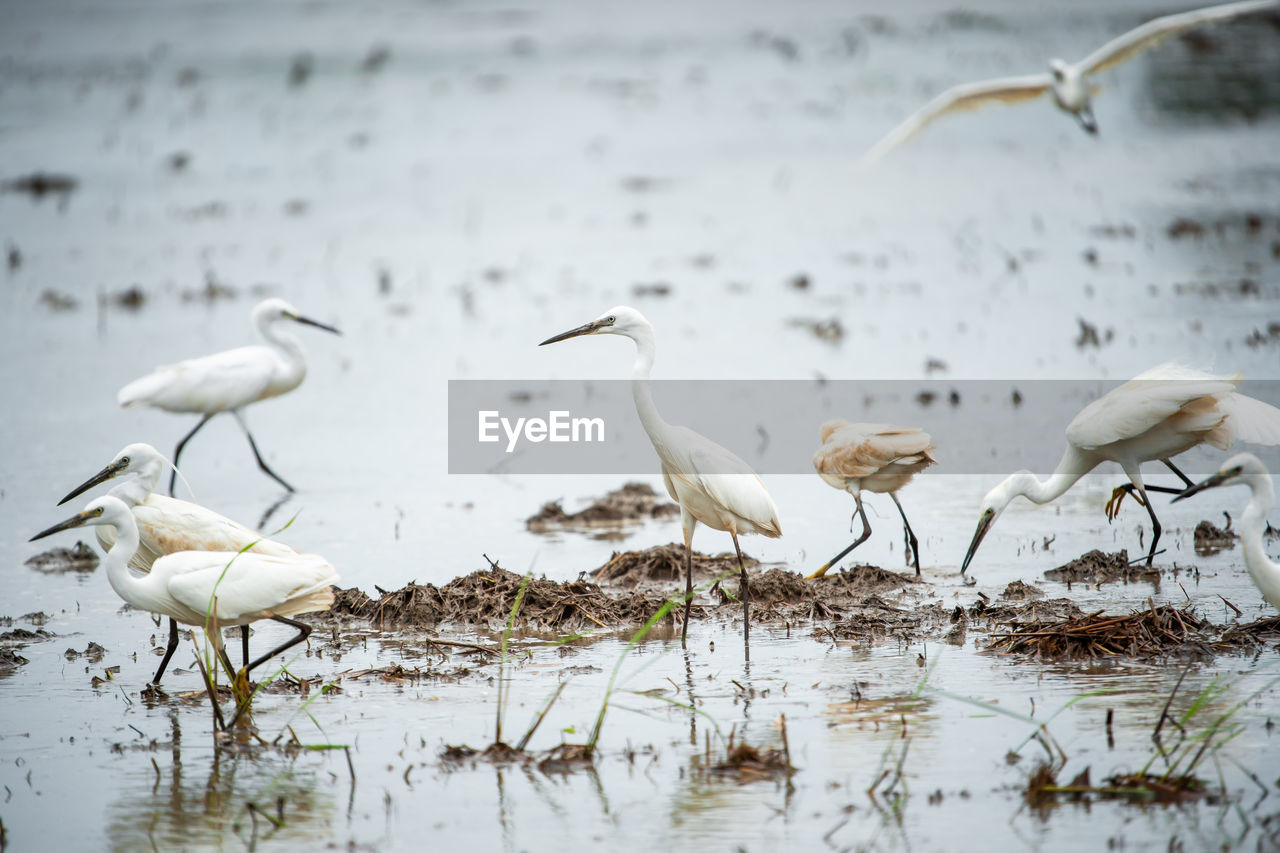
{"x":592,"y":427}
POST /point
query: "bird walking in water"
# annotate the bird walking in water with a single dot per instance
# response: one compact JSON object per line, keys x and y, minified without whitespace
{"x":712,"y":485}
{"x":210,"y":589}
{"x":878,"y":458}
{"x":167,"y":525}
{"x":1068,"y":82}
{"x":230,"y":380}
{"x":1245,"y":469}
{"x":1156,"y":415}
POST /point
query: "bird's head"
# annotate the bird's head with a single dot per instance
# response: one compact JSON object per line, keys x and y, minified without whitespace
{"x":270,"y":310}
{"x":140,"y":459}
{"x":992,"y":505}
{"x":103,"y":510}
{"x":622,"y":320}
{"x":1059,"y":69}
{"x":1243,"y":469}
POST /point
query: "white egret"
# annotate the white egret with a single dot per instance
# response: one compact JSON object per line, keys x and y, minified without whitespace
{"x":711,"y":484}
{"x":877,"y":457}
{"x":1156,"y":415}
{"x":1066,"y":81}
{"x":228,"y":381}
{"x":1245,"y":469}
{"x":167,"y":525}
{"x":210,"y":589}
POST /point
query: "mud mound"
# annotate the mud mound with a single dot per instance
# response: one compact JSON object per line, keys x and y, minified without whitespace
{"x":1101,"y":567}
{"x":1033,"y":610}
{"x":1019,"y":591}
{"x":1210,"y":539}
{"x":859,"y":581}
{"x":780,"y":586}
{"x":81,"y":558}
{"x":10,"y":660}
{"x":877,"y":619}
{"x":351,"y":602}
{"x":664,"y":564}
{"x":1252,"y":632}
{"x":1153,"y":632}
{"x":633,"y":502}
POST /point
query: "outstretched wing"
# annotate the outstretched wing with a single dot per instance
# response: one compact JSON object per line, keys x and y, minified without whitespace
{"x":966,"y":96}
{"x":1148,"y":35}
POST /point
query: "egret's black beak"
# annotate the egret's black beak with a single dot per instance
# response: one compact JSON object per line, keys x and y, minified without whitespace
{"x":587,"y":329}
{"x":984,"y":524}
{"x":1087,"y":121}
{"x":112,"y":470}
{"x":307,"y":321}
{"x":1216,"y":480}
{"x":76,"y":520}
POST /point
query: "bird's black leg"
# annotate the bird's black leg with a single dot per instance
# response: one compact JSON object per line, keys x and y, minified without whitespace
{"x":745,"y":592}
{"x":1155,"y":523}
{"x":911,"y":536}
{"x":262,"y":463}
{"x":168,"y":652}
{"x":173,"y":475}
{"x":866,"y":534}
{"x":304,"y":631}
{"x":244,"y":643}
{"x":688,"y":589}
{"x":1181,"y":476}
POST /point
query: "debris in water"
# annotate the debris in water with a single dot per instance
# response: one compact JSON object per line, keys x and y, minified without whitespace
{"x":633,"y":502}
{"x":1019,"y":591}
{"x":830,"y":331}
{"x":1100,"y":567}
{"x":1210,"y":539}
{"x":40,"y":184}
{"x":1150,"y":632}
{"x":665,"y":564}
{"x":80,"y":558}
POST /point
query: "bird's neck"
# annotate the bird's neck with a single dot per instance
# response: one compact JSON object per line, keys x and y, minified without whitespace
{"x":653,"y":423}
{"x":1253,"y":524}
{"x":1070,"y":469}
{"x":283,"y":342}
{"x":117,"y":559}
{"x":135,"y":490}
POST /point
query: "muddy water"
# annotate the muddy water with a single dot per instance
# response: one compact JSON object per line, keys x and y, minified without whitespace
{"x":504,"y":174}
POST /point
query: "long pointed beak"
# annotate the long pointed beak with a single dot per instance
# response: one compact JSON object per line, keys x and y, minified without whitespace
{"x":76,"y":520}
{"x":585,"y":329}
{"x":1087,"y":121}
{"x":102,"y":476}
{"x":1216,"y":480}
{"x":984,"y":524}
{"x":307,"y":321}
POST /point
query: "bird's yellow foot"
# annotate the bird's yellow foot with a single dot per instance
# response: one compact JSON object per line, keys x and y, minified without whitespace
{"x":819,"y":573}
{"x":241,"y":690}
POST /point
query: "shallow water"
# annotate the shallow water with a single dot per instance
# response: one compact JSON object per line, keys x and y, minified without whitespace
{"x":509,"y":173}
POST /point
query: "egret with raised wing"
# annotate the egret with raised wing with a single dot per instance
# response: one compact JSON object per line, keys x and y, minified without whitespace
{"x":878,"y":458}
{"x":1156,"y":415}
{"x":168,"y":525}
{"x":1245,"y":469}
{"x":230,"y":380}
{"x":711,"y":484}
{"x":1068,"y":82}
{"x":210,"y":589}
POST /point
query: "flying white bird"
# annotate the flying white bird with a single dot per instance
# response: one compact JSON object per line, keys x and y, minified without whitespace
{"x":1066,"y":81}
{"x":210,"y":589}
{"x":1245,"y":469}
{"x":228,"y":381}
{"x":167,"y":525}
{"x":710,"y":483}
{"x":1156,"y":415}
{"x":878,"y":458}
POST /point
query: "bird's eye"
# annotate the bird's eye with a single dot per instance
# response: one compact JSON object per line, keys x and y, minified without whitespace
{"x":611,"y":320}
{"x":98,"y":511}
{"x":124,"y":460}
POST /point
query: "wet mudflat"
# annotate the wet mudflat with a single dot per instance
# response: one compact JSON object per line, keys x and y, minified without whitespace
{"x":449,"y":185}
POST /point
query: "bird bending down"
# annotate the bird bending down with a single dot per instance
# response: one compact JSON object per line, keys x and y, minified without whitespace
{"x":711,"y":484}
{"x":878,"y":458}
{"x":167,"y":525}
{"x":1067,"y":81}
{"x":1156,"y":415}
{"x":1245,"y":469}
{"x":210,"y":589}
{"x":228,"y":381}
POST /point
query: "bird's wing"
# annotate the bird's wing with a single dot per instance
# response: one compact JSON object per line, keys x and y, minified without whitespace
{"x":167,"y":525}
{"x":966,"y":96}
{"x":1141,"y":403}
{"x":250,"y":584}
{"x":1151,"y":33}
{"x":723,"y":477}
{"x":860,"y":450}
{"x":1251,"y":420}
{"x":215,"y":383}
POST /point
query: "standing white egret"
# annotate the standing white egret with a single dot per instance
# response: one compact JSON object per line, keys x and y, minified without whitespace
{"x":167,"y":525}
{"x":1245,"y":469}
{"x":230,"y":380}
{"x":1156,"y":415}
{"x":877,"y":457}
{"x":1067,"y":81}
{"x":711,"y":484}
{"x":210,"y":589}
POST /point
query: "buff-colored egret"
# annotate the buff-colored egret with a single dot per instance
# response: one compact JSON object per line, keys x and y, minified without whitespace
{"x":878,"y":458}
{"x":1156,"y":415}
{"x":230,"y":380}
{"x":210,"y":589}
{"x":1245,"y":469}
{"x":1068,"y":82}
{"x":711,"y":484}
{"x":168,"y":525}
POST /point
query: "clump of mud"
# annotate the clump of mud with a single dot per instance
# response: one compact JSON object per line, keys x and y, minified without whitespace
{"x":861,"y":580}
{"x":1210,"y":539}
{"x":874,"y":618}
{"x":1019,"y":591}
{"x":665,"y":564}
{"x":1098,"y":567}
{"x":80,"y":558}
{"x":633,"y":502}
{"x":1149,"y":633}
{"x":749,"y":763}
{"x":1035,"y":609}
{"x":10,"y":660}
